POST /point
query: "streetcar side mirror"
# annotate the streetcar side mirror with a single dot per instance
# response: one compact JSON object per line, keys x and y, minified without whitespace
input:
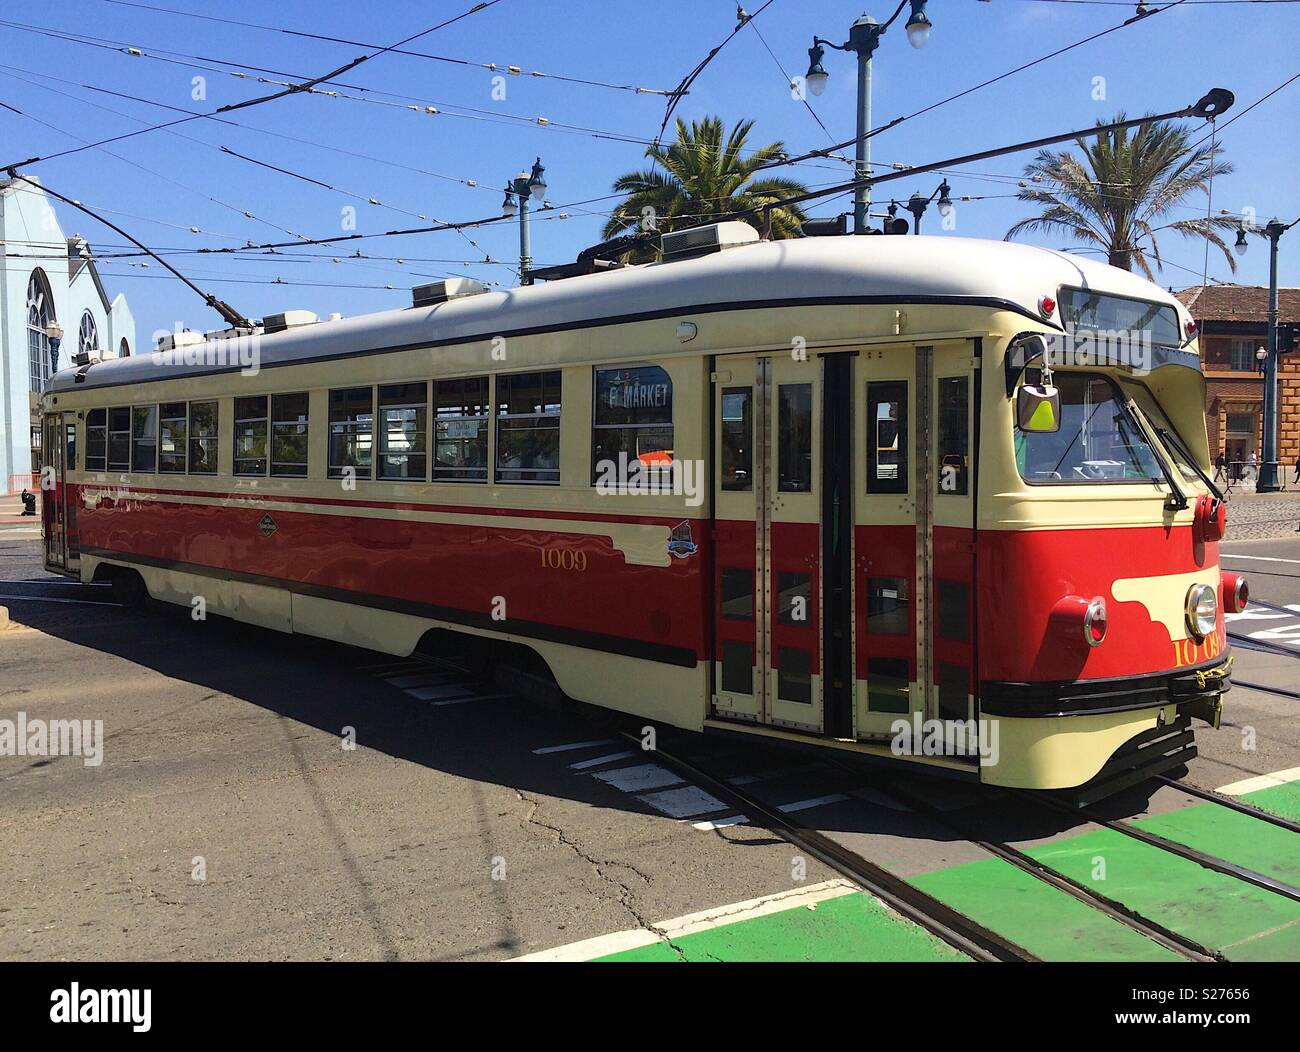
{"x":1038,"y":408}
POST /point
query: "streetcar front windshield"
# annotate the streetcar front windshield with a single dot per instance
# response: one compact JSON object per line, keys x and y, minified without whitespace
{"x":1099,"y":441}
{"x":1173,"y":442}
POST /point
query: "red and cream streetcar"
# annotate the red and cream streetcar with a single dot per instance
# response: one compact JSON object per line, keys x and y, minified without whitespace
{"x":832,"y":490}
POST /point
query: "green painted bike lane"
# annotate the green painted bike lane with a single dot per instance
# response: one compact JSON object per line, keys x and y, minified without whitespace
{"x":1241,"y":921}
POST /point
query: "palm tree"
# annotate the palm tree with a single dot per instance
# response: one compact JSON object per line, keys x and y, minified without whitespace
{"x":704,"y":177}
{"x":1119,"y":193}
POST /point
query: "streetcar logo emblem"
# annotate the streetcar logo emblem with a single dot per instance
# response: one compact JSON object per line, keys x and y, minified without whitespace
{"x":267,"y":525}
{"x":680,"y":542}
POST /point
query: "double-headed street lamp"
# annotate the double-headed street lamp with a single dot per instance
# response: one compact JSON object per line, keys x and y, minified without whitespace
{"x":1267,"y":481}
{"x":864,"y":35}
{"x":918,"y":203}
{"x":524,"y":186}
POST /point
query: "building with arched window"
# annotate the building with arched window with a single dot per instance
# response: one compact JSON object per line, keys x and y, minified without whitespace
{"x":48,"y":282}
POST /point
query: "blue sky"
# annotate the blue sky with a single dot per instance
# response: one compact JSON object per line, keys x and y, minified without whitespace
{"x":1160,"y":64}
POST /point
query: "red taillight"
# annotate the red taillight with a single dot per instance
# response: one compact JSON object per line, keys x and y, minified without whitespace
{"x":1094,"y":622}
{"x":1236,"y":593}
{"x":1046,"y":306}
{"x":1077,"y":617}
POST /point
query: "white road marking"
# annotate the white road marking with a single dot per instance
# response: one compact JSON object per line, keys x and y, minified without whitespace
{"x":710,"y":825}
{"x":640,"y":778}
{"x":1258,"y":558}
{"x":582,"y":765}
{"x":692,"y":923}
{"x":1263,"y":781}
{"x":816,"y":801}
{"x":572,"y":746}
{"x":686,"y":802}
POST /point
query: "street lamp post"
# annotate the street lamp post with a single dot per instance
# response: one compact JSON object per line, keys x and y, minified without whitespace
{"x":1268,"y":481}
{"x":524,"y":187}
{"x":864,"y":36}
{"x":918,"y":203}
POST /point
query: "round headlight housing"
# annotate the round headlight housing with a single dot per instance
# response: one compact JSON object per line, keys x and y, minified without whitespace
{"x":1202,"y":609}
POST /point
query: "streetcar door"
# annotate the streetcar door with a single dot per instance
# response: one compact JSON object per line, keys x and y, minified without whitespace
{"x":767,"y":540}
{"x":889,"y":538}
{"x":58,"y":510}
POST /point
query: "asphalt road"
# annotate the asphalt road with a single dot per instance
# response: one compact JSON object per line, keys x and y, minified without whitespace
{"x":228,"y":820}
{"x":224,"y":743}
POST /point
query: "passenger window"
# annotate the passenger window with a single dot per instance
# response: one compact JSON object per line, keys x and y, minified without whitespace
{"x":289,"y":433}
{"x":97,"y":440}
{"x":632,"y":426}
{"x":737,"y":667}
{"x":794,"y":675}
{"x":887,"y":437}
{"x":794,"y":453}
{"x":70,"y":445}
{"x":203,"y":438}
{"x":954,"y":435}
{"x":403,"y":431}
{"x":119,"y":439}
{"x":737,"y":594}
{"x":460,"y":407}
{"x":250,"y":435}
{"x":171,"y":438}
{"x":794,"y":599}
{"x":528,"y":427}
{"x":887,"y":607}
{"x":144,"y":438}
{"x":352,"y":425}
{"x":888,"y":685}
{"x":737,"y":440}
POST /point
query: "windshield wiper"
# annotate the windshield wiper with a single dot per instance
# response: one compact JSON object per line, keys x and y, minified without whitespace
{"x":1177,"y":498}
{"x":1172,"y":439}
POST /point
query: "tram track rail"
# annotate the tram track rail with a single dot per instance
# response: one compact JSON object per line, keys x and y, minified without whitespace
{"x":1203,"y":859}
{"x":1182,"y":945}
{"x":953,"y":927}
{"x":1230,"y":802}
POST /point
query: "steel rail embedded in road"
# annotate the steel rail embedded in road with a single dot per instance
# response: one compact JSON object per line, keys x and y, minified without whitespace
{"x":1231,"y":802}
{"x":1191,"y":854}
{"x":1113,"y":908}
{"x":935,"y":916}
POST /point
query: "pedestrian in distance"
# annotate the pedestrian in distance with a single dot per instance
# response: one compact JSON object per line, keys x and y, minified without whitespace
{"x":1220,"y":462}
{"x":1254,"y":466}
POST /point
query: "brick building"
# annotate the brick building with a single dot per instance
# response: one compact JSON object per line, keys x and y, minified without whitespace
{"x":1233,"y":321}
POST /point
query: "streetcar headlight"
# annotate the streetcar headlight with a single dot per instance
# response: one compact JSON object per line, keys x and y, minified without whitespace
{"x":1202,"y":608}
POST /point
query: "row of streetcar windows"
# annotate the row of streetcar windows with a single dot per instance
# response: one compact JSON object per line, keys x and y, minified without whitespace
{"x":886,"y":439}
{"x":420,"y":431}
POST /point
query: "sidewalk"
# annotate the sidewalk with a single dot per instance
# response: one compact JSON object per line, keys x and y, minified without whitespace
{"x":11,"y":512}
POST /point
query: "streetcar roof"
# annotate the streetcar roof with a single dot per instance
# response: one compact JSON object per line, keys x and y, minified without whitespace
{"x":826,"y":270}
